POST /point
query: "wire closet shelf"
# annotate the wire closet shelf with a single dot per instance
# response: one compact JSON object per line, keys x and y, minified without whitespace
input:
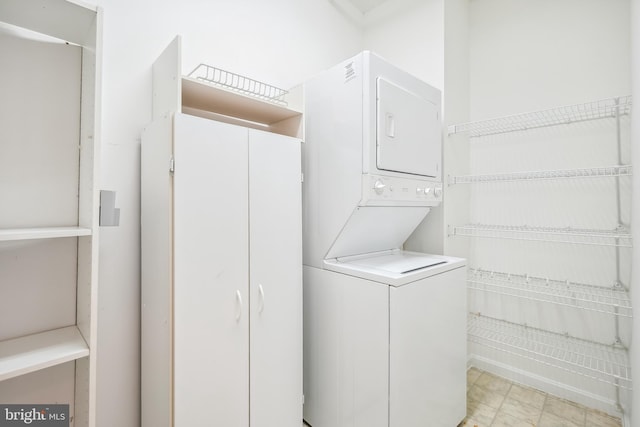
{"x":612,"y":300}
{"x":600,"y":362}
{"x":594,"y":110}
{"x":619,"y":237}
{"x":598,"y":172}
{"x":239,"y":83}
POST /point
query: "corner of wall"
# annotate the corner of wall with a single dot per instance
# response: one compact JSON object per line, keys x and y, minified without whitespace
{"x":634,"y":410}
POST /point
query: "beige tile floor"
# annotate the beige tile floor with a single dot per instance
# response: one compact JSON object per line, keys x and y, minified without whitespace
{"x":493,"y":401}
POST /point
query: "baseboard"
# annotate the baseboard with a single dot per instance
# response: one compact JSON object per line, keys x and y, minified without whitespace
{"x":548,"y":385}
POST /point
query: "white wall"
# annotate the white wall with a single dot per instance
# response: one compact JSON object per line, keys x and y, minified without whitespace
{"x":531,"y":55}
{"x":456,"y":207}
{"x":281,"y":42}
{"x":540,"y":54}
{"x":410,"y":35}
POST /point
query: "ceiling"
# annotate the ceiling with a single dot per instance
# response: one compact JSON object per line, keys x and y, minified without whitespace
{"x":366,"y":5}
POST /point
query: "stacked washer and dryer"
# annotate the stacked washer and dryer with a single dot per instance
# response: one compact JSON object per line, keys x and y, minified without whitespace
{"x":384,"y":328}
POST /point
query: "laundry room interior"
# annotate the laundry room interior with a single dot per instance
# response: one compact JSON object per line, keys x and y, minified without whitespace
{"x":324,"y":213}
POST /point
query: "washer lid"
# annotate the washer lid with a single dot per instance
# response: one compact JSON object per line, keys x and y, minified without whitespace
{"x":394,"y":267}
{"x":376,"y":228}
{"x":399,"y":263}
{"x":408,"y":134}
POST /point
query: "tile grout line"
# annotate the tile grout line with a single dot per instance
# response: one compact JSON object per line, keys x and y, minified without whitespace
{"x":546,"y":396}
{"x":502,"y":403}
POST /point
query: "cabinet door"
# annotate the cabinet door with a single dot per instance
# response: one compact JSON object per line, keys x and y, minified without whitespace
{"x":428,"y":351}
{"x":211,"y":338}
{"x":275,"y":280}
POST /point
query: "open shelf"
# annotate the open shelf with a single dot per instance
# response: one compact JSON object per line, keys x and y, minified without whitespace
{"x":31,"y":353}
{"x":601,"y":362}
{"x":42,"y":233}
{"x":215,"y":94}
{"x":203,"y":96}
{"x":612,"y":300}
{"x":599,"y":172}
{"x":604,"y":108}
{"x":239,"y":83}
{"x":619,"y":237}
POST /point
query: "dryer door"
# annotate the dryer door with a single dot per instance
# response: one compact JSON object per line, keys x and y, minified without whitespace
{"x":408,"y":132}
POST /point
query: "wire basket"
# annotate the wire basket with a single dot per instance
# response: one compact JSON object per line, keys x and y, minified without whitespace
{"x":240,"y":84}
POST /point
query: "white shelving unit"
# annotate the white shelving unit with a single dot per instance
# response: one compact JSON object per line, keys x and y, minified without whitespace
{"x":565,"y":115}
{"x":49,"y":130}
{"x":599,"y":172}
{"x":612,"y":300}
{"x":620,"y":237}
{"x":601,"y":362}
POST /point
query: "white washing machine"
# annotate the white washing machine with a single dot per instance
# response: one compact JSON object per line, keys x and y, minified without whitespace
{"x":384,"y":329}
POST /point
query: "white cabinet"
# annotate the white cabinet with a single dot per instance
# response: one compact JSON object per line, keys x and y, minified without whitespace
{"x":49,"y":136}
{"x":235,"y":309}
{"x":221,"y":274}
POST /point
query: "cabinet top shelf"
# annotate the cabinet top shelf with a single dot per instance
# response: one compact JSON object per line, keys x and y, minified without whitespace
{"x":216,"y":94}
{"x":594,"y":110}
{"x":204,"y":96}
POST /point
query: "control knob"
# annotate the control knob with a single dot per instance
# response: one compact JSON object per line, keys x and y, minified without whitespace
{"x":437,"y":192}
{"x":379,"y":186}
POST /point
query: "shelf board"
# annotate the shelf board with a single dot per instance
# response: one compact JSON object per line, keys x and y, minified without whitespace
{"x":601,"y":362}
{"x":597,"y":172}
{"x":207,"y":97}
{"x":612,"y":300}
{"x":64,"y":20}
{"x":31,"y":353}
{"x":601,"y":109}
{"x":619,"y":237}
{"x":42,"y":233}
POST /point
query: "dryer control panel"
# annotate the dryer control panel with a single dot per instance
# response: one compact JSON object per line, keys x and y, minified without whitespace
{"x":380,"y":190}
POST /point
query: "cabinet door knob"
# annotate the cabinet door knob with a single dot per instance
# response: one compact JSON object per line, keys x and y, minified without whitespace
{"x":261,"y":299}
{"x":238,"y":305}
